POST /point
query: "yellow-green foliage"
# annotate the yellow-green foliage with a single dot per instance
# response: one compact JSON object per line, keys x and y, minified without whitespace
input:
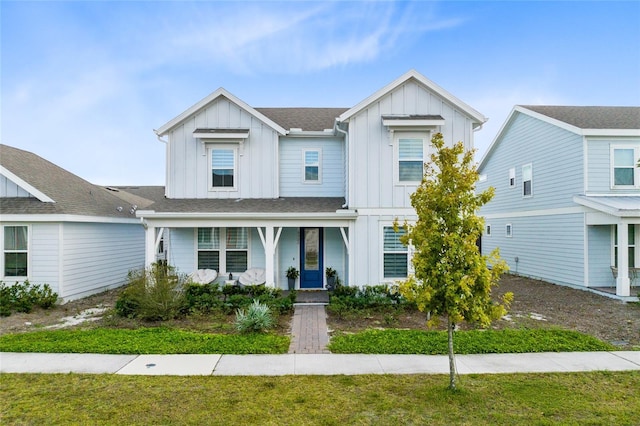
{"x":451,"y":276}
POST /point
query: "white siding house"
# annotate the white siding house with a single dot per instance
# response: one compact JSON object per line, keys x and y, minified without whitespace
{"x":305,"y":187}
{"x":58,"y":229}
{"x":566,"y":185}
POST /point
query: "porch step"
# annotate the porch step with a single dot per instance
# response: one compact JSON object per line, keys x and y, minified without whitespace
{"x":313,"y":296}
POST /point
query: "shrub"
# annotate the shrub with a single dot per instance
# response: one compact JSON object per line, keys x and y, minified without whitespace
{"x":203,"y":298}
{"x":256,"y":318}
{"x":22,"y":297}
{"x":153,"y":294}
{"x":353,"y":300}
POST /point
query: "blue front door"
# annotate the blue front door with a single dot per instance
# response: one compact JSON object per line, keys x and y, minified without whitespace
{"x":311,"y":275}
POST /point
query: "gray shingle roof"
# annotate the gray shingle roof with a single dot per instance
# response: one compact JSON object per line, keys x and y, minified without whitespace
{"x":592,"y":117}
{"x":72,"y":194}
{"x":309,"y":119}
{"x":250,"y":205}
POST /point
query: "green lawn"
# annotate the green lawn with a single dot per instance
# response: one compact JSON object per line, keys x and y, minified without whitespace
{"x":164,"y":340}
{"x":72,"y":399}
{"x":466,"y":342}
{"x":160,"y":340}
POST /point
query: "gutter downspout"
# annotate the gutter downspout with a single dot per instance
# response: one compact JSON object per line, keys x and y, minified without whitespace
{"x":346,"y":152}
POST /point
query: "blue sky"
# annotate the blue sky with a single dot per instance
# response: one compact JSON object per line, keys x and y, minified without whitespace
{"x":83,"y":84}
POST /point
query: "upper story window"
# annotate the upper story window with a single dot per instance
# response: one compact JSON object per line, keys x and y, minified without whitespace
{"x":410,"y":159}
{"x":527,"y":180}
{"x":623,"y":167}
{"x":509,"y":230}
{"x":312,"y":160}
{"x":395,"y":254}
{"x":223,"y":168}
{"x":16,"y":251}
{"x":512,"y":177}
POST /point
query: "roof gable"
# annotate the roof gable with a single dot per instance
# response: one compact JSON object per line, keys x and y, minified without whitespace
{"x":164,"y":129}
{"x":581,"y":120}
{"x":413,"y":74}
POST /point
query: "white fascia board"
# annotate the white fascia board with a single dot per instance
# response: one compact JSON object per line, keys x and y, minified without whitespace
{"x":473,"y":113}
{"x":338,"y":215}
{"x":164,"y":129}
{"x":611,"y":132}
{"x":535,"y":213}
{"x":25,"y":185}
{"x":498,"y":136}
{"x":311,"y":133}
{"x":42,"y":218}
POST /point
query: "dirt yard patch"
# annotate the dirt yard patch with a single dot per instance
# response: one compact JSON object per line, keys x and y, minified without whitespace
{"x":536,"y":304}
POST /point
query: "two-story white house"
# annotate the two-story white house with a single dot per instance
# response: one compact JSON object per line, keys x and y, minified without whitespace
{"x":310,"y":188}
{"x":567,"y":201}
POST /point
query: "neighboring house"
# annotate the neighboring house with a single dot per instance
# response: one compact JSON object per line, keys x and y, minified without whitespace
{"x":567,"y":201}
{"x":311,"y":188}
{"x":59,"y":229}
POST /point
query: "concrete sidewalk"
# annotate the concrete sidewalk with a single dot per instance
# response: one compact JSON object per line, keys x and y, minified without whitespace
{"x":315,"y":364}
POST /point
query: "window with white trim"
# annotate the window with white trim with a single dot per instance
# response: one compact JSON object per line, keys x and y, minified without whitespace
{"x":410,"y":158}
{"x":624,"y":173}
{"x":527,"y":180}
{"x":312,"y":160}
{"x":223,"y":168}
{"x":631,"y":229}
{"x":509,"y":230}
{"x":512,"y":177}
{"x":488,"y":230}
{"x":395,"y":254}
{"x":16,"y":251}
{"x":223,"y":249}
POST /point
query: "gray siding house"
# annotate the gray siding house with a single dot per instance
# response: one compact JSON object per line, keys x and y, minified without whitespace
{"x":310,"y":188}
{"x":59,"y":229}
{"x":567,"y":201}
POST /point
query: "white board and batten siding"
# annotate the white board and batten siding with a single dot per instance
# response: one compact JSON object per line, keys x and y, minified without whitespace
{"x":599,"y":163}
{"x":188,"y":164}
{"x":371,"y":143}
{"x":332,"y":167}
{"x":98,"y":256}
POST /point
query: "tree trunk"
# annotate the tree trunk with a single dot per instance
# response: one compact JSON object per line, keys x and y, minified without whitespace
{"x":452,"y":362}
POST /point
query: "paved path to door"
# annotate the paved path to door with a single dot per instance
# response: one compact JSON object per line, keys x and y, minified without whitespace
{"x":309,"y":333}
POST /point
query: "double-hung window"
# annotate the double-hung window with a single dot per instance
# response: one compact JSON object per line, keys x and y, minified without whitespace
{"x":527,"y":180}
{"x":312,"y":160}
{"x":236,"y":247}
{"x":223,"y":249}
{"x":223,"y":168}
{"x":395,"y":254}
{"x":16,"y":251}
{"x":623,"y":167}
{"x":410,"y":159}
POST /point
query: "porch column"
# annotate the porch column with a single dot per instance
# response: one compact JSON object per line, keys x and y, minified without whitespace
{"x":623,"y":284}
{"x":150,"y":246}
{"x":269,"y":252}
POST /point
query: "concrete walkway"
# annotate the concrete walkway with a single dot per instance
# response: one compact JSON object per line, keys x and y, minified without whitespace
{"x":315,"y":364}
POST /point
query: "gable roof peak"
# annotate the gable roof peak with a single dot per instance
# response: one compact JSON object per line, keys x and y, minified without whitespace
{"x":221,"y":91}
{"x":421,"y":79}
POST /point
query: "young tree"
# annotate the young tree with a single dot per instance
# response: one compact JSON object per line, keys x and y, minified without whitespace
{"x":451,"y":278}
